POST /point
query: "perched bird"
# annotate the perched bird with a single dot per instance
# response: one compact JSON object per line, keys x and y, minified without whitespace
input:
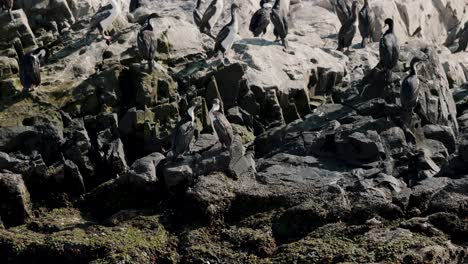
{"x":104,"y":18}
{"x":221,"y":125}
{"x":463,"y":41}
{"x":280,"y":22}
{"x":343,"y":11}
{"x":228,"y":33}
{"x":211,"y":16}
{"x":410,"y":90}
{"x":7,"y":5}
{"x":260,"y":20}
{"x":366,"y":23}
{"x":389,"y":49}
{"x":197,"y":17}
{"x":183,"y":134}
{"x":348,"y":30}
{"x":30,"y":68}
{"x":147,"y":43}
{"x":134,"y":4}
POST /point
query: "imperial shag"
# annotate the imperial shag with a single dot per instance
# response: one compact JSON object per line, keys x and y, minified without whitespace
{"x":30,"y":69}
{"x":147,"y":43}
{"x":7,"y":5}
{"x":463,"y":41}
{"x":221,"y":125}
{"x":228,"y":33}
{"x":183,"y":134}
{"x":410,"y":90}
{"x":348,"y":30}
{"x":260,"y":20}
{"x":197,"y":17}
{"x":104,"y":18}
{"x":211,"y":16}
{"x":389,"y":49}
{"x":343,"y":11}
{"x":366,"y":23}
{"x":280,"y":22}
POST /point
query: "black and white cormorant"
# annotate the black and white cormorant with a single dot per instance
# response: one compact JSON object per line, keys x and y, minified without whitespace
{"x":211,"y":16}
{"x":147,"y":42}
{"x":30,"y":68}
{"x":104,"y":18}
{"x":280,"y":23}
{"x":348,"y":30}
{"x":183,"y":134}
{"x":134,"y":4}
{"x":343,"y":11}
{"x":410,"y":90}
{"x":221,"y":125}
{"x":366,"y":23}
{"x":228,"y":33}
{"x":7,"y":5}
{"x":389,"y":49}
{"x":463,"y":41}
{"x":260,"y":20}
{"x":197,"y":16}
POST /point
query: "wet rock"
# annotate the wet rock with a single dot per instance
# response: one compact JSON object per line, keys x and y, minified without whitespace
{"x":212,"y":195}
{"x":299,"y":221}
{"x":15,"y":204}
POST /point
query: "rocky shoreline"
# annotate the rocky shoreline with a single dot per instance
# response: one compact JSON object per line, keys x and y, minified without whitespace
{"x":321,"y":170}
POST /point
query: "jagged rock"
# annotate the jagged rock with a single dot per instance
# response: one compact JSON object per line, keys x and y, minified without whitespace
{"x":143,"y":172}
{"x":56,"y":11}
{"x":177,"y":39}
{"x":361,"y":147}
{"x":15,"y":205}
{"x":451,"y":198}
{"x":37,"y":133}
{"x":134,"y":119}
{"x":178,"y":175}
{"x":19,"y":29}
{"x":74,"y":182}
{"x":100,"y":89}
{"x":115,"y":157}
{"x":78,"y":147}
{"x":443,"y":134}
{"x":8,"y":66}
{"x":151,"y":88}
{"x":228,"y":81}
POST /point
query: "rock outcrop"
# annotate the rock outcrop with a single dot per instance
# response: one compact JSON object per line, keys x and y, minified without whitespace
{"x":323,"y":167}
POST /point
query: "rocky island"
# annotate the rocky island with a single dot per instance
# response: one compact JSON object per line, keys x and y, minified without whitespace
{"x":164,"y":131}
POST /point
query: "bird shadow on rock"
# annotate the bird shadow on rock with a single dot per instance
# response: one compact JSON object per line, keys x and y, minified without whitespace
{"x":258,"y":42}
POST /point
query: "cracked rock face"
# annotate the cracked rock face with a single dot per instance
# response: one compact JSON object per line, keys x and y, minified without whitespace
{"x":323,"y":167}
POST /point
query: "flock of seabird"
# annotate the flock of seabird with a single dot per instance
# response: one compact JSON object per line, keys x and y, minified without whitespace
{"x":351,"y":20}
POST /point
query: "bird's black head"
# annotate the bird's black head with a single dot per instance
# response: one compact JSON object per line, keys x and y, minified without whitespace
{"x":234,"y":6}
{"x":389,"y":22}
{"x":41,"y":53}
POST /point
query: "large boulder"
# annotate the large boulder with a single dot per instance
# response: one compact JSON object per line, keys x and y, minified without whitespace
{"x":15,"y":204}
